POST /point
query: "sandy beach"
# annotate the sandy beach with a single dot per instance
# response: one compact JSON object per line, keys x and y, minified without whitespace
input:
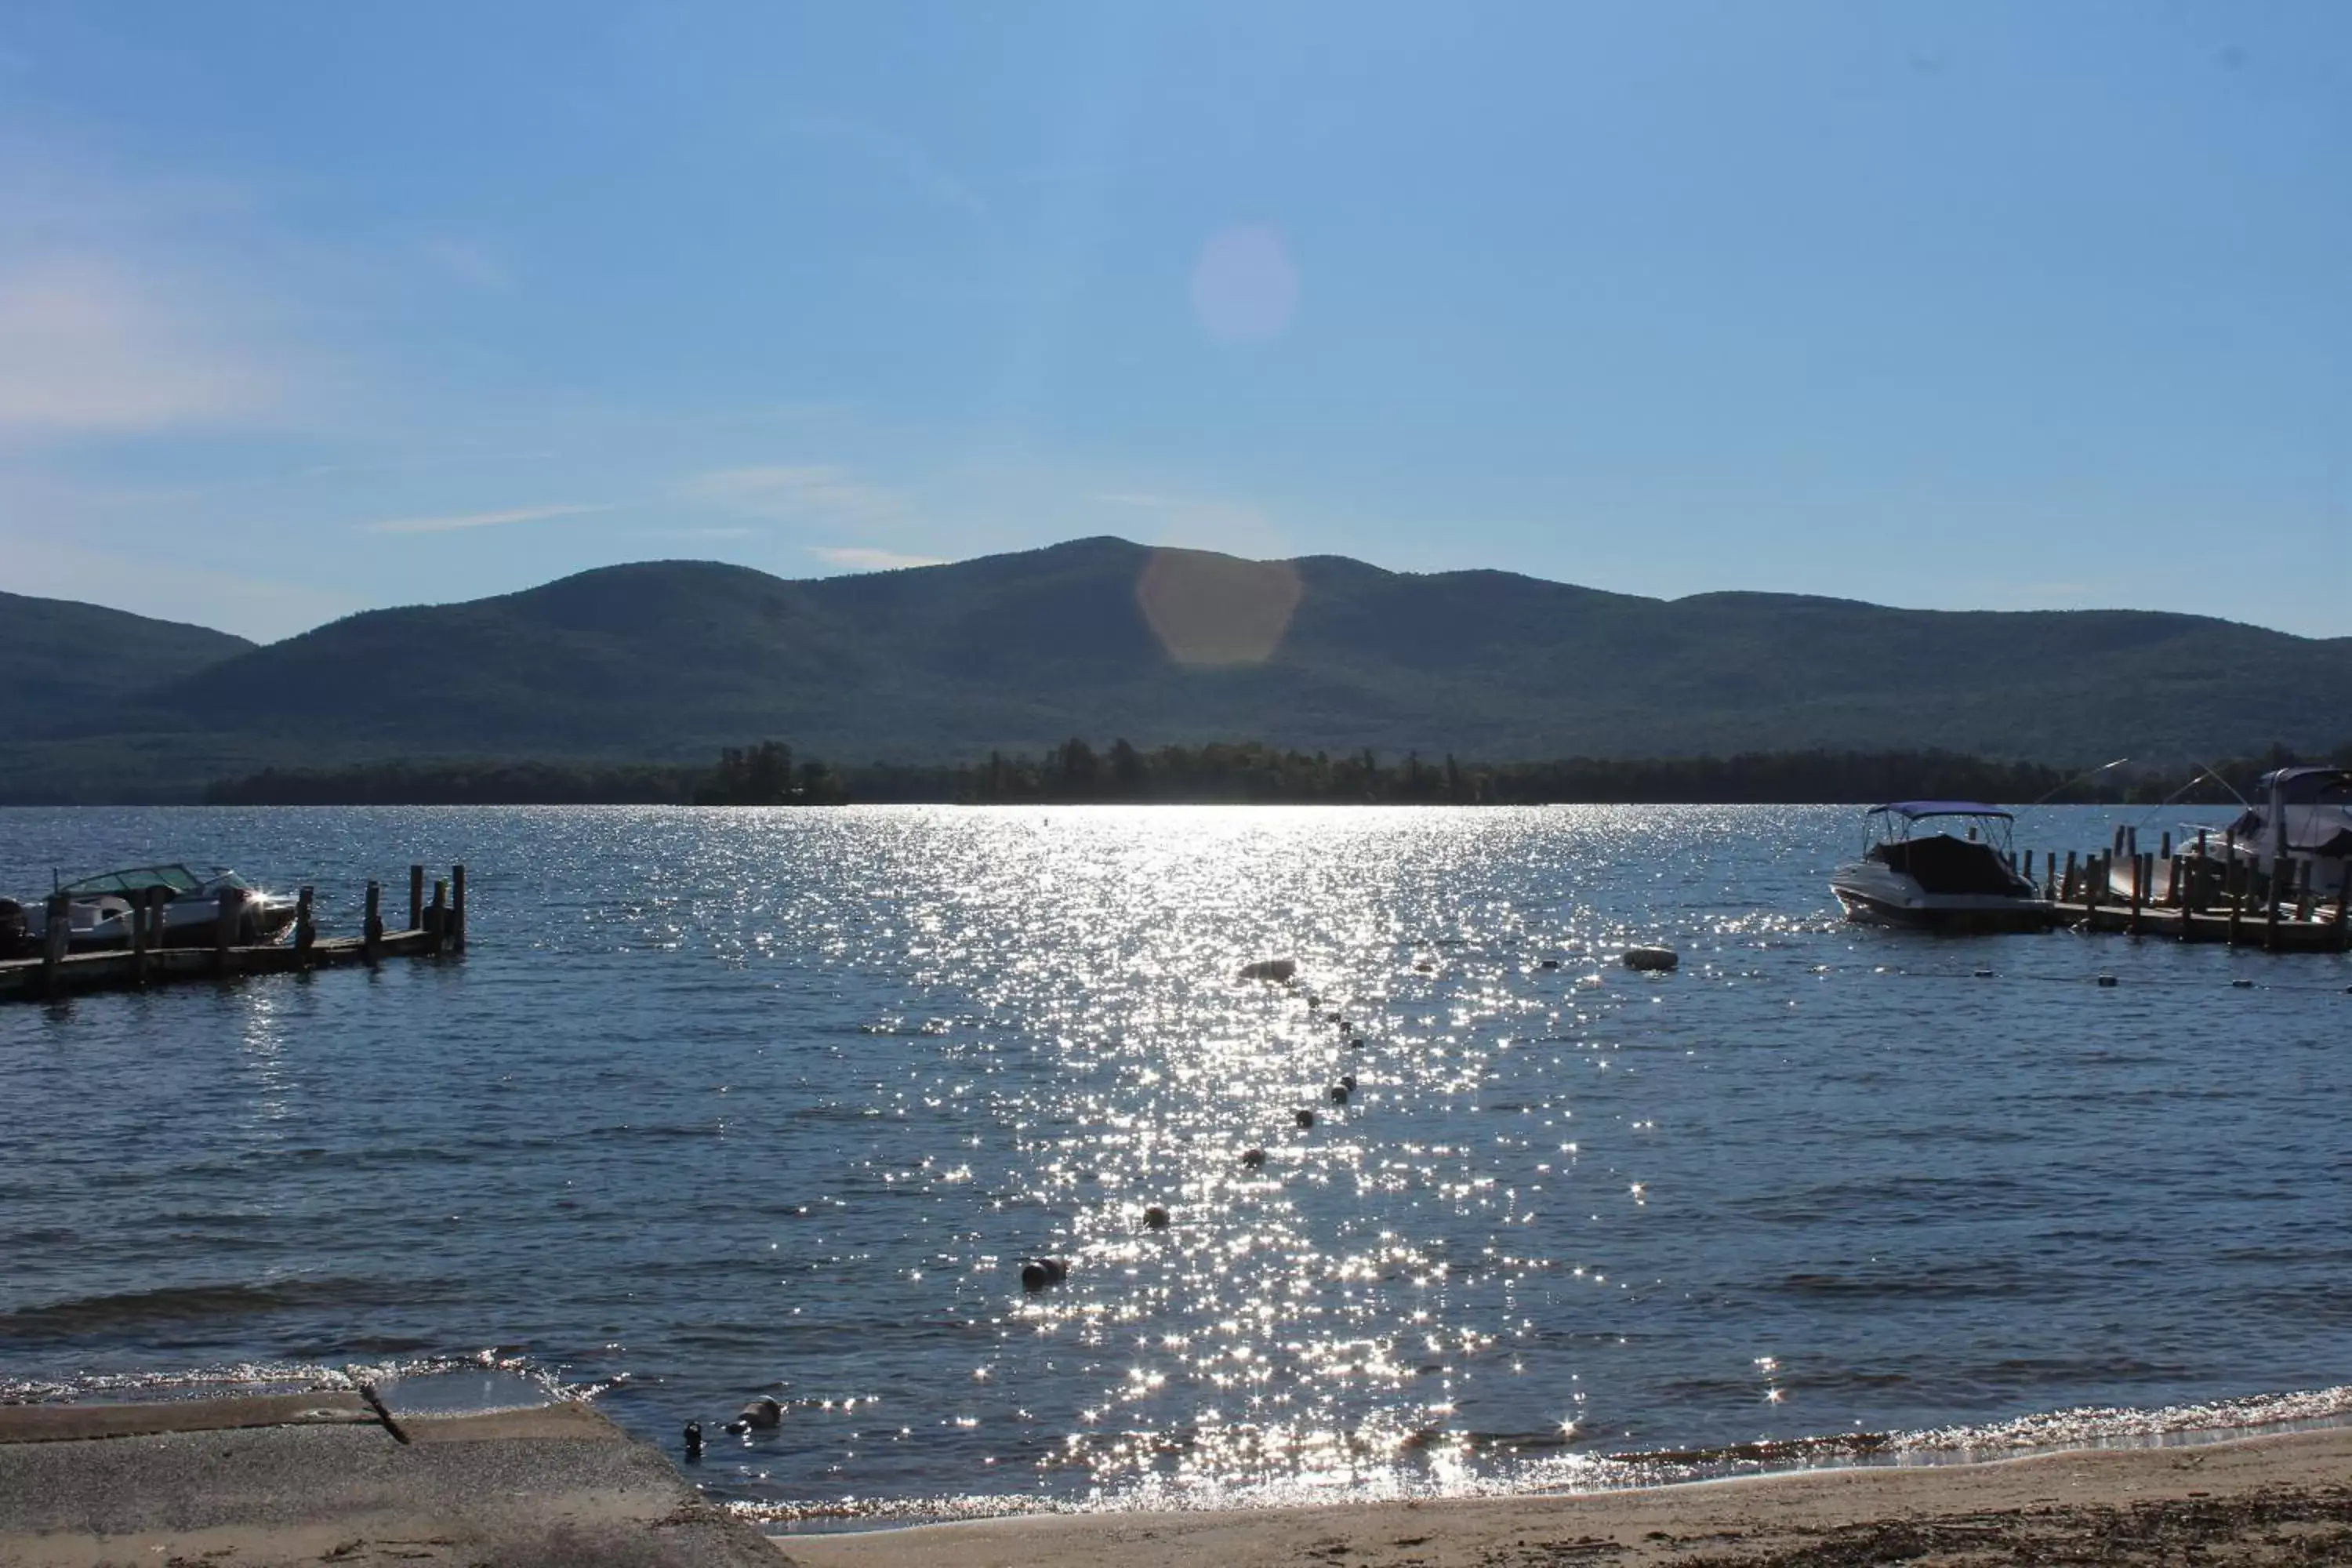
{"x":2285,"y":1499}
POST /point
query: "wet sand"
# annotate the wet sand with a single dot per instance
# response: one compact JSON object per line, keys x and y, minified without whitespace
{"x":2280,"y":1499}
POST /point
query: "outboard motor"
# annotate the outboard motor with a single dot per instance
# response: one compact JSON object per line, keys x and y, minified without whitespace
{"x":16,"y":935}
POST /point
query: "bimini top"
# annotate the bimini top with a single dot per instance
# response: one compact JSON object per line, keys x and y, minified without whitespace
{"x":1913,"y":810}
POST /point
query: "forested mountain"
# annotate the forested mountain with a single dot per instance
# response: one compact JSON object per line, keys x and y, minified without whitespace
{"x":62,"y":662}
{"x":672,"y":660}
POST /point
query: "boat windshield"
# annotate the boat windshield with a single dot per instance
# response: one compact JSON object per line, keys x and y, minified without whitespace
{"x":1963,"y":820}
{"x":137,"y":879}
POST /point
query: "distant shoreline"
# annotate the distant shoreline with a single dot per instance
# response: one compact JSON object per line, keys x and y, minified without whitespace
{"x":1231,"y":773}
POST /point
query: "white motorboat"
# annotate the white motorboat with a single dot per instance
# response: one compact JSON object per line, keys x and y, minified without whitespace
{"x":1918,"y":871}
{"x":2301,"y":823}
{"x":98,"y":908}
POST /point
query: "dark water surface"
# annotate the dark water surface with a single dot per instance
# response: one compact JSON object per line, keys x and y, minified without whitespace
{"x":729,"y":1103}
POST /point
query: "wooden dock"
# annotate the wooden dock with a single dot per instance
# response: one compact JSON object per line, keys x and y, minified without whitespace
{"x":2194,"y":895}
{"x":434,"y":929}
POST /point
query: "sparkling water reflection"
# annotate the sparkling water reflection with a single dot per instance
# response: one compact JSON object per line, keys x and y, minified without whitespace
{"x":731,"y":1102}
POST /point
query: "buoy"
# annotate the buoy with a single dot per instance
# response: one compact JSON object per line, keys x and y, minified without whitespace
{"x":1253,"y":1158}
{"x":1651,"y":959}
{"x":1339,"y":1092}
{"x":1270,"y":969}
{"x":760,"y":1416}
{"x":1305,"y":1116}
{"x":693,"y":1440}
{"x":2107,"y":980}
{"x":1155,"y":1218}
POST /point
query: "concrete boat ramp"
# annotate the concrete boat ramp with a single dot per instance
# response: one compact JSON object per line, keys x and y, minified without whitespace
{"x":335,"y":1477}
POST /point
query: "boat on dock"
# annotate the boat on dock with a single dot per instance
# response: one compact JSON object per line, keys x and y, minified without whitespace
{"x":1940,"y":866}
{"x":2298,"y":836}
{"x":99,"y":909}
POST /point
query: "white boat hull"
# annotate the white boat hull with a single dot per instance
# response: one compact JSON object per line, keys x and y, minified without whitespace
{"x":1871,"y":894}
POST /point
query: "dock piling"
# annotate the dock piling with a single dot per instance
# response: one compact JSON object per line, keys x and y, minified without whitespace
{"x":306,"y":928}
{"x":141,"y":909}
{"x":54,"y":931}
{"x":227,"y":911}
{"x":458,"y":909}
{"x":372,"y":932}
{"x":415,"y":899}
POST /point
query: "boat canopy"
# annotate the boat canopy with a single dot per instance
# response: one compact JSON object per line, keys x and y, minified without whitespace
{"x":137,"y":879}
{"x":2308,"y":786}
{"x":1913,"y":810}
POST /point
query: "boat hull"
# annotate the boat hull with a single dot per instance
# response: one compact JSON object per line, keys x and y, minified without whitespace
{"x":1872,"y":896}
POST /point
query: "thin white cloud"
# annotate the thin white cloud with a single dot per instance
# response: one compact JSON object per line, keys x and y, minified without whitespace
{"x":461,"y":521}
{"x":802,"y":493}
{"x":851,"y":558}
{"x":90,"y":346}
{"x":909,"y":162}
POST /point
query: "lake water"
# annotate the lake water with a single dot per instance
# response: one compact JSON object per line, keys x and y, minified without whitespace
{"x":725,"y":1103}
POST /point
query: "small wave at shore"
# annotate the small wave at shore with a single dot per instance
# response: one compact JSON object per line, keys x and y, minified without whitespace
{"x":514,"y":1373}
{"x":1470,"y":1464}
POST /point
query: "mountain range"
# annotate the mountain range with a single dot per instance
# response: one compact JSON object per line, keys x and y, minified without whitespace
{"x":1102,"y":637}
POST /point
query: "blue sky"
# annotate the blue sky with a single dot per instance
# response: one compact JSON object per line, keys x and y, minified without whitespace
{"x":306,"y":309}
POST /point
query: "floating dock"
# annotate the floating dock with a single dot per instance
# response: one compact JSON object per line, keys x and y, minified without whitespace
{"x":433,"y":928}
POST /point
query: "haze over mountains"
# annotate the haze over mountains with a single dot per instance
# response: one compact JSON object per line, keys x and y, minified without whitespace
{"x":1101,"y":638}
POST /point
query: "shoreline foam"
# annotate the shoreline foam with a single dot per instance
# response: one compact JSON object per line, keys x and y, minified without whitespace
{"x":2279,"y":1497}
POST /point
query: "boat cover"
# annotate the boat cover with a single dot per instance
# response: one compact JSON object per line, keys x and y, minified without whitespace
{"x":1916,"y":809}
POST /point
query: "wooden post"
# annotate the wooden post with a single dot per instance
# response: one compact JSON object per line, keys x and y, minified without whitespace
{"x":2304,"y":905}
{"x":2166,"y":852}
{"x":416,"y":897}
{"x":2068,"y":886}
{"x":57,"y":927}
{"x":140,"y":907}
{"x":2234,"y":887}
{"x":2138,"y":888}
{"x":2271,"y":905}
{"x":458,"y":909}
{"x":437,"y":917}
{"x":2028,"y":865}
{"x":306,"y":930}
{"x":230,"y":906}
{"x":2342,"y":893}
{"x":372,"y":931}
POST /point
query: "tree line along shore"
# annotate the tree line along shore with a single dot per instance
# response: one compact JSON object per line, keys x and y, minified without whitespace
{"x":1248,"y":772}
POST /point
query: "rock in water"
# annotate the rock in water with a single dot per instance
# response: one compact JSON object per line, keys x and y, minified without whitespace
{"x":1277,"y":969}
{"x":1651,"y":959}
